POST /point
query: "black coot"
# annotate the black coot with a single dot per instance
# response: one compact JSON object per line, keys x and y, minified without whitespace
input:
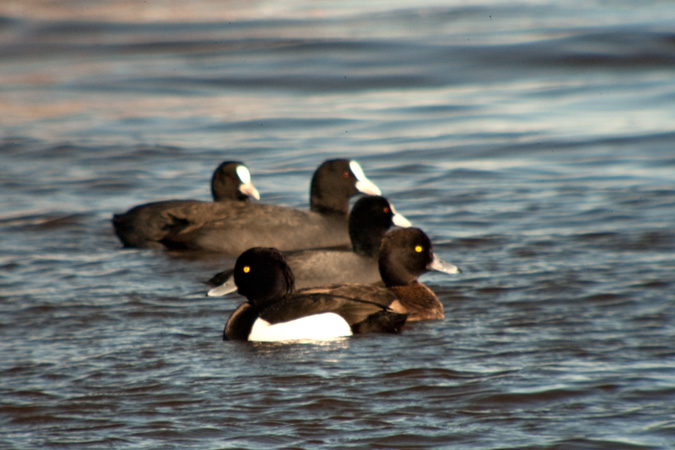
{"x":234,"y":227}
{"x":147,"y":225}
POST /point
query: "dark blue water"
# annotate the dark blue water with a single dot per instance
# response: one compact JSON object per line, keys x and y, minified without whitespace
{"x":534,"y":142}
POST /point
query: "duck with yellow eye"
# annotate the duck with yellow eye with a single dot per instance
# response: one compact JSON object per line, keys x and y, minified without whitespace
{"x":276,"y":312}
{"x":406,"y":254}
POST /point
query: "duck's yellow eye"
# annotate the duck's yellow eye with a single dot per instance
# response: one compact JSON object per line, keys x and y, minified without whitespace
{"x":419,"y":248}
{"x":246,"y":269}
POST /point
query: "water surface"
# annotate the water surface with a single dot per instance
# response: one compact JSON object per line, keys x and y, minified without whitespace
{"x":532,"y":141}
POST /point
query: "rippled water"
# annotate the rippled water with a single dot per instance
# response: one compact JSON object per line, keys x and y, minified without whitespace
{"x":534,"y":142}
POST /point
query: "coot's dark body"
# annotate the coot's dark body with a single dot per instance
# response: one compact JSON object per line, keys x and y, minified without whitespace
{"x":234,"y":227}
{"x":147,"y":225}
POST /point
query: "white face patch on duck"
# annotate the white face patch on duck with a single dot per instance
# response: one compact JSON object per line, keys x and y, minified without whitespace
{"x":363,"y":184}
{"x":316,"y":327}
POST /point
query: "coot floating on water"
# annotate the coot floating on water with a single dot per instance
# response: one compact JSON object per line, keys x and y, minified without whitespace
{"x":147,"y":225}
{"x":234,"y":227}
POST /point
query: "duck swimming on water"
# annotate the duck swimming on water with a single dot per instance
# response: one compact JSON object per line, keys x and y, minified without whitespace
{"x":275,"y":312}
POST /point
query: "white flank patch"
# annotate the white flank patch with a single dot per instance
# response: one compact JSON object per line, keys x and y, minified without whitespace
{"x":316,"y":327}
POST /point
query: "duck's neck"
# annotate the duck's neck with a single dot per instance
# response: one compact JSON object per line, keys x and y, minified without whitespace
{"x":393,"y":273}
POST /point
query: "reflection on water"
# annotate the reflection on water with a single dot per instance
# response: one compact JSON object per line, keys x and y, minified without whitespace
{"x":532,"y":142}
